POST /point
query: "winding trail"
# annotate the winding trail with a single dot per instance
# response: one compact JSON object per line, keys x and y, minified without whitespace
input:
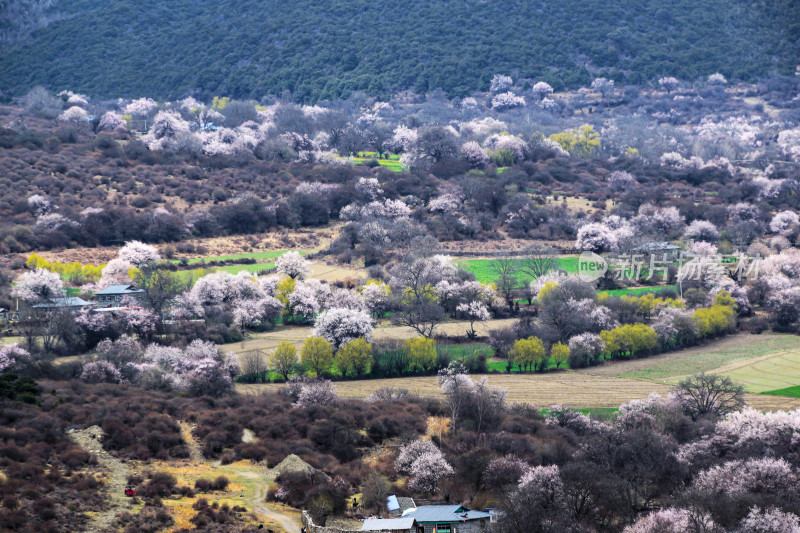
{"x":286,"y":522}
{"x":259,"y":475}
{"x":90,"y":440}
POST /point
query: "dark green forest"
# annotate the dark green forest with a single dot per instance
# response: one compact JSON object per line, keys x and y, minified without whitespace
{"x":326,"y":49}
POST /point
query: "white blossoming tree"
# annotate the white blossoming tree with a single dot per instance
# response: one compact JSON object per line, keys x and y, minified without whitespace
{"x":294,"y":265}
{"x":542,"y":89}
{"x":13,"y":358}
{"x":702,"y":230}
{"x":74,"y":115}
{"x":668,"y":83}
{"x":339,"y":326}
{"x":501,"y":83}
{"x":38,"y":286}
{"x":595,"y":237}
{"x":474,"y":311}
{"x":111,"y":121}
{"x":138,"y":253}
{"x":507,"y":100}
{"x":784,"y":223}
{"x":603,"y":85}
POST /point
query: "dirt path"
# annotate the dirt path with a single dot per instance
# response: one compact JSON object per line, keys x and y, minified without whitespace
{"x":260,"y":477}
{"x":286,"y":522}
{"x":194,"y":448}
{"x":89,"y":440}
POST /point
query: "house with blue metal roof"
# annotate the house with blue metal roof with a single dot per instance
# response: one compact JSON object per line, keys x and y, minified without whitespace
{"x":448,"y":519}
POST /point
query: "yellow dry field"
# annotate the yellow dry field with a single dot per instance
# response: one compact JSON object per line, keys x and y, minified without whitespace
{"x":505,"y":244}
{"x":285,"y":239}
{"x":569,"y":388}
{"x":11,"y":340}
{"x":332,"y":273}
{"x":269,"y":340}
{"x":577,"y":204}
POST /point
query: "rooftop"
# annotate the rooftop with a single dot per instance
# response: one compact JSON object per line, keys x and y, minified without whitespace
{"x":663,"y":245}
{"x":399,"y":503}
{"x":118,"y":289}
{"x":387,"y":524}
{"x":444,"y":513}
{"x":72,"y":301}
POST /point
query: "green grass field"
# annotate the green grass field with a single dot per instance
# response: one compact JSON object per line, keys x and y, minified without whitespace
{"x":637,"y":291}
{"x":779,"y":372}
{"x":792,"y":392}
{"x":392,"y":162}
{"x":271,"y":254}
{"x":231,"y":269}
{"x":757,"y":377}
{"x":483,"y":271}
{"x":258,"y":266}
{"x":255,"y":267}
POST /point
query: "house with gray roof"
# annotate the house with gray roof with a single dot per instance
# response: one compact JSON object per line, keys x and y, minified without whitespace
{"x":660,"y":250}
{"x":390,"y":525}
{"x":112,"y":295}
{"x":71,"y":302}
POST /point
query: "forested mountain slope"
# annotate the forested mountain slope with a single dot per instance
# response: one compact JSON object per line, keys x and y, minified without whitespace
{"x":324,"y":49}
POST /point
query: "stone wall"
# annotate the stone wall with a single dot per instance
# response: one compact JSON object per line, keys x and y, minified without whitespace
{"x":311,"y":527}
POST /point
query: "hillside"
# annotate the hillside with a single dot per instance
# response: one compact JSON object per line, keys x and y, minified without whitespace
{"x":321,"y":50}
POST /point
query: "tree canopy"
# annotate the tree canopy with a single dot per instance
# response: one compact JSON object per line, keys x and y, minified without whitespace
{"x":249,"y":49}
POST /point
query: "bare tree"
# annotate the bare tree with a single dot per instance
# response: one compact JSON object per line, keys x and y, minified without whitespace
{"x":489,"y":405}
{"x":538,"y":261}
{"x":458,"y":388}
{"x":378,"y":137}
{"x":237,"y":113}
{"x":350,"y":141}
{"x":413,"y":282}
{"x":39,"y":101}
{"x":505,"y":271}
{"x":421,"y":316}
{"x":710,"y":394}
{"x":333,"y":122}
{"x":254,"y":363}
{"x":374,"y":492}
{"x":437,"y":143}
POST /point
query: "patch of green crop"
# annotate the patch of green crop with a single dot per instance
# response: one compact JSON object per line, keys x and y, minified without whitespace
{"x":791,"y":392}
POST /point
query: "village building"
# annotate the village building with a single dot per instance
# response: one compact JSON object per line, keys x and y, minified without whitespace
{"x":432,"y":519}
{"x":67,"y":302}
{"x":660,"y":250}
{"x":390,"y":525}
{"x":112,"y":295}
{"x":397,"y":505}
